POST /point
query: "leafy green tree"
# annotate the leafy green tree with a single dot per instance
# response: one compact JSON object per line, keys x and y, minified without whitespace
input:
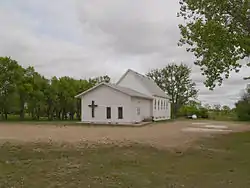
{"x":187,"y":110}
{"x":243,"y":106}
{"x":67,"y":88}
{"x":99,"y":79}
{"x":203,"y":112}
{"x":217,"y":107}
{"x":50,"y":94}
{"x":36,"y":102}
{"x":218,"y":34}
{"x":226,"y":109}
{"x":193,"y":107}
{"x":207,"y":106}
{"x":176,"y":82}
{"x":24,"y":89}
{"x":82,"y":85}
{"x":10,"y":74}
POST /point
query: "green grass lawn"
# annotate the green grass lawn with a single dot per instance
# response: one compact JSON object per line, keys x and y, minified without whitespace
{"x":220,"y":162}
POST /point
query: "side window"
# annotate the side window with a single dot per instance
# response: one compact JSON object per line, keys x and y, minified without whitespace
{"x":158,"y":104}
{"x":138,"y":111}
{"x":120,"y":113}
{"x":155,"y":104}
{"x":108,"y":111}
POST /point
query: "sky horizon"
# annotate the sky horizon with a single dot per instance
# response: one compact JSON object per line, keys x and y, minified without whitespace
{"x":90,"y":38}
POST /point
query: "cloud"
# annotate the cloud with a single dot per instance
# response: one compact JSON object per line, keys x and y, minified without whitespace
{"x":86,"y":38}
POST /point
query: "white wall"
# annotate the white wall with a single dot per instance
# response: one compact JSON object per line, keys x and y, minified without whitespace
{"x":104,"y":97}
{"x":131,"y":82}
{"x":145,"y":106}
{"x":161,"y":112}
{"x":169,"y":110}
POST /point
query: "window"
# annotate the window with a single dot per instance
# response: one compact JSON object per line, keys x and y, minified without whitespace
{"x":108,"y":111}
{"x":120,"y":113}
{"x":155,"y":104}
{"x":158,"y":104}
{"x":138,"y":111}
{"x":161,"y":104}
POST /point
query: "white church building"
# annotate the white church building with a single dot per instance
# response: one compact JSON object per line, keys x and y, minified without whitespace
{"x":133,"y":99}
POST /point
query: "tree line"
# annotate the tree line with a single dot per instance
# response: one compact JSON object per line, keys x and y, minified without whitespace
{"x":26,"y":93}
{"x":23,"y":91}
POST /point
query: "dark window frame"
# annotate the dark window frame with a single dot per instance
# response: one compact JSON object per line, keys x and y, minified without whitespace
{"x":108,"y":112}
{"x":120,"y":112}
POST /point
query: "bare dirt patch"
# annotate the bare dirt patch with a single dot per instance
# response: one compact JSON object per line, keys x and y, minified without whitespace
{"x":160,"y":134}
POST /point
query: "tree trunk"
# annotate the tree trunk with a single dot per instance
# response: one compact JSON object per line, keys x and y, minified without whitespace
{"x":78,"y":111}
{"x":38,"y":113}
{"x":21,"y":114}
{"x":49,"y":115}
{"x":22,"y":111}
{"x":50,"y":110}
{"x":6,"y":115}
{"x":72,"y":115}
{"x":59,"y":115}
{"x":22,"y":102}
{"x":173,"y":107}
{"x":33,"y":114}
{"x":63,"y":114}
{"x":2,"y":115}
{"x":54,"y":114}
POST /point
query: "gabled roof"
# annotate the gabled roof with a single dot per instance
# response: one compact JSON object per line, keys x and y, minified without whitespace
{"x":148,"y":83}
{"x":124,"y":90}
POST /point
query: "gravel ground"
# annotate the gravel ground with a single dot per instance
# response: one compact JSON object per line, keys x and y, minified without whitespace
{"x":168,"y":134}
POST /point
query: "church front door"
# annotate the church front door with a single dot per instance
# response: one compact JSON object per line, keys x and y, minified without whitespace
{"x":138,"y":114}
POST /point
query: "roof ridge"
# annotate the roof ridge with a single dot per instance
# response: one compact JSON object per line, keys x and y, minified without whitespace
{"x":129,"y":89}
{"x":148,"y":83}
{"x":125,"y":90}
{"x":120,"y":88}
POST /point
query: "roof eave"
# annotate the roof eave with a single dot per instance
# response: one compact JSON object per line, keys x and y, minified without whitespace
{"x":167,"y":97}
{"x":149,"y":98}
{"x":83,"y":93}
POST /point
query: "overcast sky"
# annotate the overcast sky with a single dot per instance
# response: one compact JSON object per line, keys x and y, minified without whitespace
{"x":87,"y":38}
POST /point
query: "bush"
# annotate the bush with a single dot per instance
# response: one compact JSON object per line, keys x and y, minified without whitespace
{"x":243,"y":110}
{"x":190,"y":110}
{"x":203,"y":113}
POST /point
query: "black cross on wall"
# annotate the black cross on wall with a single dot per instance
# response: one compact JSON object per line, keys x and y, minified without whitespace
{"x":93,"y":106}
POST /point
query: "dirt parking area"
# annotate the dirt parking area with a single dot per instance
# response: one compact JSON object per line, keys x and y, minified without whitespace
{"x":170,"y":134}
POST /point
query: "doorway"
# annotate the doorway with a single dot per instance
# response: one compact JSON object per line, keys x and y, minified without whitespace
{"x":138,"y":114}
